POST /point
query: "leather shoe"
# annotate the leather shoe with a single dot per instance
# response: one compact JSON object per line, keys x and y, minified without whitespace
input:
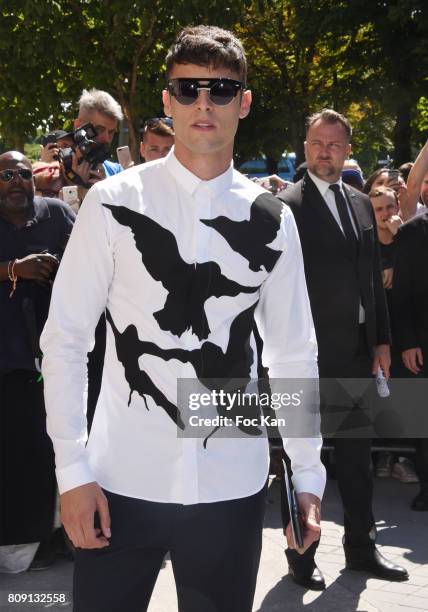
{"x":420,"y":502}
{"x":376,"y":564}
{"x":312,"y":580}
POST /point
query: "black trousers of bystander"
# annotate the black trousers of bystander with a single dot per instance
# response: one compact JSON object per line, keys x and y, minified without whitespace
{"x":27,"y":467}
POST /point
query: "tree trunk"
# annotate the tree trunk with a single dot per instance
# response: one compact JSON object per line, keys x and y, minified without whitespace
{"x":271,"y":164}
{"x":402,"y":135}
{"x":297,"y":138}
{"x":13,"y":141}
{"x":134,"y":140}
{"x":131,"y":124}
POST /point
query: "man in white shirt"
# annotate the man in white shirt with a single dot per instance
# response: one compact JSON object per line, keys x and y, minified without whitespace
{"x":185,"y":255}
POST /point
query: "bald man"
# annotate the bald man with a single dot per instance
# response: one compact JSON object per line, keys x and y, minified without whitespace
{"x":33,"y":235}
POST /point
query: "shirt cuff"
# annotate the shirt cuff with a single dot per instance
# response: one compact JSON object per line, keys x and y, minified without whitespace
{"x":311,"y":481}
{"x":73,"y":476}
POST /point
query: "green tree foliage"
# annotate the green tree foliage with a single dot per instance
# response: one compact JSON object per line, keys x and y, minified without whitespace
{"x":53,"y":49}
{"x":365,"y":59}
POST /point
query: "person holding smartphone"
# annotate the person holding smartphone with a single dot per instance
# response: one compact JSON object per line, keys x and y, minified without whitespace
{"x":173,"y":249}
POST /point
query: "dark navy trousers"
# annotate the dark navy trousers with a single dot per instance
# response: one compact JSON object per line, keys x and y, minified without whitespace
{"x":214,"y":548}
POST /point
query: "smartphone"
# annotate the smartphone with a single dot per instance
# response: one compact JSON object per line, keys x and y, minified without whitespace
{"x":124,"y":156}
{"x":296,"y":527}
{"x":70,"y":196}
{"x":393,"y":175}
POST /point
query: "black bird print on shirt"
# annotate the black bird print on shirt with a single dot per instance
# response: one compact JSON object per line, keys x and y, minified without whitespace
{"x":265,"y":219}
{"x":189,"y":286}
{"x":209,"y":362}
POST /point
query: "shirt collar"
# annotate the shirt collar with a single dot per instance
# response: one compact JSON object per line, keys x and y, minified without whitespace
{"x":323,"y":186}
{"x":190,"y":182}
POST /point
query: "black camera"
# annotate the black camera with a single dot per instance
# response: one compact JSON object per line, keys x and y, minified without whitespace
{"x":93,"y":152}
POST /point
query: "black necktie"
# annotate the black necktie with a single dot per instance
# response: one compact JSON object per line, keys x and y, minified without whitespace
{"x":345,"y":219}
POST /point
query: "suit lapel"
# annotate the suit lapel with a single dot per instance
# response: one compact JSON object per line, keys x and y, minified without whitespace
{"x":352,"y":201}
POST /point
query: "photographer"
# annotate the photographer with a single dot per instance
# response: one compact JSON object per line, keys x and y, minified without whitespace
{"x":84,"y":161}
{"x":33,"y":235}
{"x":50,"y":145}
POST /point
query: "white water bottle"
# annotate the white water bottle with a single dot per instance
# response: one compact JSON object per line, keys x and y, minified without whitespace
{"x":382,"y":384}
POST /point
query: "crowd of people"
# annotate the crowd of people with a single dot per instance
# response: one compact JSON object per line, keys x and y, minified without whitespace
{"x":351,"y":275}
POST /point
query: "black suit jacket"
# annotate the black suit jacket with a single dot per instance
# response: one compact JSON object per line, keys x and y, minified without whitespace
{"x":410,"y":284}
{"x":336,"y":279}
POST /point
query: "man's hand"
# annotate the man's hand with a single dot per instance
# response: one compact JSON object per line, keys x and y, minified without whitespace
{"x":78,"y":507}
{"x":273,"y":183}
{"x":84,"y":170}
{"x":310,"y":509}
{"x":413,"y":359}
{"x":49,"y":153}
{"x":387,"y":275}
{"x":382,"y":359}
{"x":37,"y":267}
{"x":393,"y":224}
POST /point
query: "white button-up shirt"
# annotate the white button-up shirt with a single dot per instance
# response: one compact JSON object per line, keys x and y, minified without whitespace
{"x":174,"y":261}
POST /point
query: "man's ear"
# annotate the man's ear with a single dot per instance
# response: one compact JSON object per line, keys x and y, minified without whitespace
{"x":245,"y":104}
{"x":142,"y":148}
{"x":349,"y":150}
{"x":166,"y":99}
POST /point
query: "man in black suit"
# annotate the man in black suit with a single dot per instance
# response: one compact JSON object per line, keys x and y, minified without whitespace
{"x":410,"y":303}
{"x":341,"y":255}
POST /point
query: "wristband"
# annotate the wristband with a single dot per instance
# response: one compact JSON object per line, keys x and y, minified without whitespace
{"x":13,"y":277}
{"x":9,"y":274}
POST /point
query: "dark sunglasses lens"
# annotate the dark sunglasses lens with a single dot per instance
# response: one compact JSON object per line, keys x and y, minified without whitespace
{"x":186,"y":92}
{"x":6,"y":175}
{"x":25,"y":174}
{"x":222,"y":93}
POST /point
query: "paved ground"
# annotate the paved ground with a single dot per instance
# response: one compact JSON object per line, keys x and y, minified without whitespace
{"x":402,"y":537}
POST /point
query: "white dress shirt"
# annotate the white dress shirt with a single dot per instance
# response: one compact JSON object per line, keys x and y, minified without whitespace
{"x":139,"y":237}
{"x":329,"y":198}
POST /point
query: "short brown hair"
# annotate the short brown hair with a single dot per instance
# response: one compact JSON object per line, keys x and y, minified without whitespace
{"x":158,"y":126}
{"x":208,"y":46}
{"x":404,"y":170}
{"x":380,"y":191}
{"x":329,"y":116}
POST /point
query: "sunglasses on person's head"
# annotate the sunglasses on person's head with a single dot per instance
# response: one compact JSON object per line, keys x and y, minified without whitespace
{"x":154,"y":121}
{"x":220,"y":91}
{"x":7,"y":175}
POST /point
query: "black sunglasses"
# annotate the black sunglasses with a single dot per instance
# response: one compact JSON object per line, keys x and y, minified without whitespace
{"x":7,"y":175}
{"x":221,"y":91}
